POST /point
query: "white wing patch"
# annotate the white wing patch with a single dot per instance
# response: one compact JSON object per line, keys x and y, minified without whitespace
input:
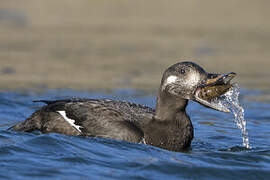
{"x":70,"y":121}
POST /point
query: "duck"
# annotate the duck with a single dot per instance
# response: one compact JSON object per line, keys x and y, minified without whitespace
{"x":168,"y":126}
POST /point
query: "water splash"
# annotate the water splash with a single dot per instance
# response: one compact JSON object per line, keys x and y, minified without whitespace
{"x":230,"y":100}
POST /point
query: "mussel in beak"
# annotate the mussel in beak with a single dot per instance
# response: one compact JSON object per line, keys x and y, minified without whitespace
{"x":210,"y":92}
{"x":212,"y":88}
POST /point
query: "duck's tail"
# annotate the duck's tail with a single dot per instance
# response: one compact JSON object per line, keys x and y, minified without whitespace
{"x":30,"y":124}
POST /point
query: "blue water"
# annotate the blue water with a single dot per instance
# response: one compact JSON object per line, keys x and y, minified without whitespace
{"x":216,"y":152}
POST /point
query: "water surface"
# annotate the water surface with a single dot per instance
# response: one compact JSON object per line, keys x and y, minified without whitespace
{"x":216,"y":152}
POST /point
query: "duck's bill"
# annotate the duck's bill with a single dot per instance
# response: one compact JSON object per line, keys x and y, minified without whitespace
{"x":212,"y":88}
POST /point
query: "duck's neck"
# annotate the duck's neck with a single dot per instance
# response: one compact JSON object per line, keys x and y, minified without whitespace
{"x":169,"y":106}
{"x":171,"y":127}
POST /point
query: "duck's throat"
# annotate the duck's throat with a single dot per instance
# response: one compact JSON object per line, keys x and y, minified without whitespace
{"x":169,"y":106}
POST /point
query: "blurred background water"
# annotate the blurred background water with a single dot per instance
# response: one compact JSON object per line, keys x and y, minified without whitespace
{"x":128,"y":44}
{"x":119,"y":49}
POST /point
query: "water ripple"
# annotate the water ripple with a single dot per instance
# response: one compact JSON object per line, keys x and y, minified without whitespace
{"x":216,"y":151}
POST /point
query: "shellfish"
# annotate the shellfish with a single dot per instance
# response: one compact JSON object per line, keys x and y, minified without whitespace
{"x":211,"y":92}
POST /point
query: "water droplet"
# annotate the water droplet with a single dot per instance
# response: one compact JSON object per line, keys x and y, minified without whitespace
{"x":230,"y":100}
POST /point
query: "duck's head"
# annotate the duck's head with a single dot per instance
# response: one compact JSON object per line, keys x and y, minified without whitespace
{"x":187,"y":80}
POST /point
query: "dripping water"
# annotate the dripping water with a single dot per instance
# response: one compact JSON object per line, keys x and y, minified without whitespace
{"x":230,"y":100}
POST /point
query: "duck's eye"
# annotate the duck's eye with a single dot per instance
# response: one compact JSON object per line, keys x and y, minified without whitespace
{"x":182,"y":71}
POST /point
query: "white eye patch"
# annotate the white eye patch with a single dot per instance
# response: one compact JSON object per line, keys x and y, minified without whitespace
{"x":171,"y":79}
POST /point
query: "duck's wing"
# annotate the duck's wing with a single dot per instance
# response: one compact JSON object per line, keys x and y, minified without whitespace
{"x":101,"y":118}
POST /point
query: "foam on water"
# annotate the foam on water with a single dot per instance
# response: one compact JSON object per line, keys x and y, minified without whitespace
{"x":230,"y":100}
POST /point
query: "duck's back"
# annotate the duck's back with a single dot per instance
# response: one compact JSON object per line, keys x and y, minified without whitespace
{"x":90,"y":117}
